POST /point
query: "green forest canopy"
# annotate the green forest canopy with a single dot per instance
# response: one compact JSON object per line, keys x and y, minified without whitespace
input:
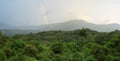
{"x":77,"y":45}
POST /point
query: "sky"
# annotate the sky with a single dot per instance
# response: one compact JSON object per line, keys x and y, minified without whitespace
{"x":38,"y":12}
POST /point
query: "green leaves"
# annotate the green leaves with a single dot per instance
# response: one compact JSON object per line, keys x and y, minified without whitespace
{"x":57,"y":48}
{"x":3,"y":56}
{"x":30,"y":50}
{"x":78,"y":45}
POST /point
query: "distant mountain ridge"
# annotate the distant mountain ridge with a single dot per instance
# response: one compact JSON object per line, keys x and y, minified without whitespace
{"x":65,"y":26}
{"x":79,"y":24}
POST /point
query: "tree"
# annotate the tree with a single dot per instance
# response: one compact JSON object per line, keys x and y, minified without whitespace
{"x":0,"y":33}
{"x":30,"y":50}
{"x":100,"y":39}
{"x":9,"y":53}
{"x":57,"y":48}
{"x":22,"y":58}
{"x":3,"y":56}
{"x":83,"y":33}
{"x":77,"y":57}
{"x":98,"y":51}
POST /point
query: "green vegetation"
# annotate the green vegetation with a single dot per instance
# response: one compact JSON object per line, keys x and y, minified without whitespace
{"x":78,"y":45}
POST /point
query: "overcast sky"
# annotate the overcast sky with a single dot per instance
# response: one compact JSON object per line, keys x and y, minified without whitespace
{"x":34,"y":12}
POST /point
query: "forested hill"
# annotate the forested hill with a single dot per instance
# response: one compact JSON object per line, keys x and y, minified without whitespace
{"x":64,"y":26}
{"x":77,"y":45}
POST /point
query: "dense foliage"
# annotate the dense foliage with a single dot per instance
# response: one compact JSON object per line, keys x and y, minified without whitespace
{"x":78,"y":45}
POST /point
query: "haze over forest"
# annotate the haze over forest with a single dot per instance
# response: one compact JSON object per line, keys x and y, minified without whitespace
{"x":59,"y":30}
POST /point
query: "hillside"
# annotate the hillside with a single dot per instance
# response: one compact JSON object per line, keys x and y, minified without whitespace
{"x":65,"y":26}
{"x":77,"y":45}
{"x":79,"y":24}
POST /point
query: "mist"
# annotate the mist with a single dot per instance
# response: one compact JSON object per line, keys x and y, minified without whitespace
{"x":38,"y":12}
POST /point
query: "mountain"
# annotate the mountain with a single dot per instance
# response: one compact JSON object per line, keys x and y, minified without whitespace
{"x":65,"y":26}
{"x":79,"y":24}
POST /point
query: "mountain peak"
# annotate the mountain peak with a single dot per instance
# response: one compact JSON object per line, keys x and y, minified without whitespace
{"x":79,"y":21}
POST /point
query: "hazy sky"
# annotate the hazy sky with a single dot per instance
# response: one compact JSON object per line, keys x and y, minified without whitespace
{"x":37,"y":12}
